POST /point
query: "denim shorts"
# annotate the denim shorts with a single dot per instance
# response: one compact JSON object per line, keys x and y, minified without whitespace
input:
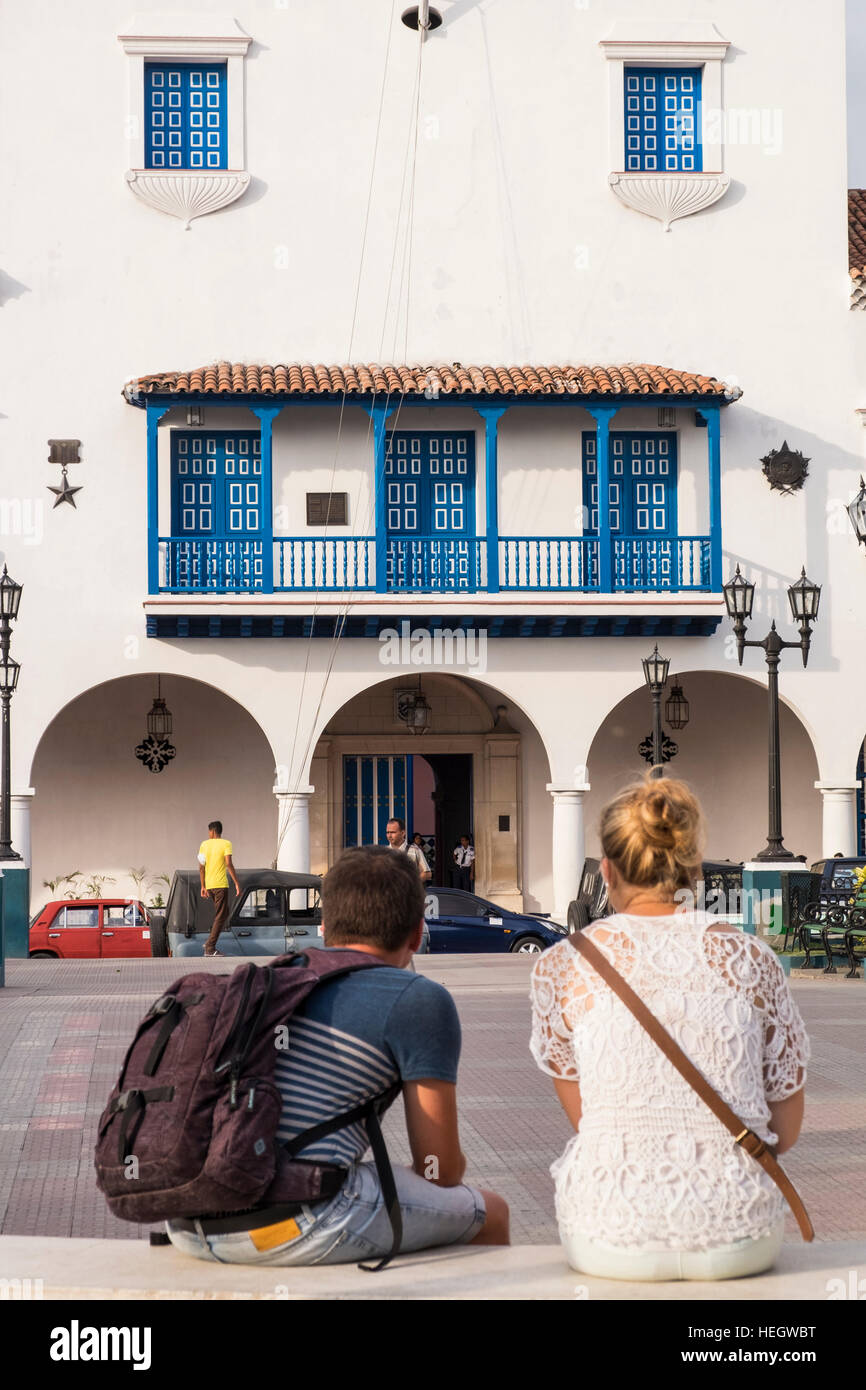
{"x":350,"y":1227}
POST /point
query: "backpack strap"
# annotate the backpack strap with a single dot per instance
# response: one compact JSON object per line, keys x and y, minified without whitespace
{"x":132,"y":1105}
{"x":742,"y":1135}
{"x":368,"y":1111}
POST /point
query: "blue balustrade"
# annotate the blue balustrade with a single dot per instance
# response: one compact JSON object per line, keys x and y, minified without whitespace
{"x":435,"y":564}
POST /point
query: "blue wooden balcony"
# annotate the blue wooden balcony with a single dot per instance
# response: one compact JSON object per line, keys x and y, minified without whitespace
{"x":433,"y":565}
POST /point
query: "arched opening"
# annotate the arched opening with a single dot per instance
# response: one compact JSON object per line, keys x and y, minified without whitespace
{"x":99,"y":810}
{"x":466,"y":774}
{"x":722,"y":754}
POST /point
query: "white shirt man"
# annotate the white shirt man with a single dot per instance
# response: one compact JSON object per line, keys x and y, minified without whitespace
{"x":395,"y":831}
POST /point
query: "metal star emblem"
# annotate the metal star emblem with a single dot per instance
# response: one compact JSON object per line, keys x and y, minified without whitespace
{"x":64,"y":493}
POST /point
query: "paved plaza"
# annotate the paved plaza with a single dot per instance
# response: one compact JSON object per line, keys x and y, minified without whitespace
{"x":65,"y":1025}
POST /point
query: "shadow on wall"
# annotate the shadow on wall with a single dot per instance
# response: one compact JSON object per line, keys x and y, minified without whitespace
{"x":723,"y":756}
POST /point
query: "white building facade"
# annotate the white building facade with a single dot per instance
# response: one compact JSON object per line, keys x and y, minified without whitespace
{"x":639,"y":218}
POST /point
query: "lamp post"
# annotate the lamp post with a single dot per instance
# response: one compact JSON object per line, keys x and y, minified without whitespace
{"x":10,"y":597}
{"x":804,"y":598}
{"x":655,"y":673}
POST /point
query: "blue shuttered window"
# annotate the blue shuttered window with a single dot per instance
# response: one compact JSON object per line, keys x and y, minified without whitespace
{"x":185,"y":112}
{"x":662,"y":120}
{"x":861,"y":801}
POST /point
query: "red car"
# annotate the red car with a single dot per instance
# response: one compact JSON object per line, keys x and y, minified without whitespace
{"x":90,"y":929}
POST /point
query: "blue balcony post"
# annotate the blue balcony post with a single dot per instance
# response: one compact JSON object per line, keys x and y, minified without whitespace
{"x":712,"y":415}
{"x":379,"y":413}
{"x":267,"y":414}
{"x":602,"y":415}
{"x":491,"y":415}
{"x":154,"y":415}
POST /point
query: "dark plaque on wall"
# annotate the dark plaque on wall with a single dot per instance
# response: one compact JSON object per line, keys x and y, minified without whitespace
{"x":327,"y":509}
{"x":785,"y":469}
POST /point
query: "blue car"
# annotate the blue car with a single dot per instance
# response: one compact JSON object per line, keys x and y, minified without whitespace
{"x":461,"y":921}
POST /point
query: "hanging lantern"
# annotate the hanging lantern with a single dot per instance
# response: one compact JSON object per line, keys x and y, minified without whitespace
{"x":159,"y":719}
{"x":677,"y":708}
{"x":418,"y":712}
{"x":156,"y":751}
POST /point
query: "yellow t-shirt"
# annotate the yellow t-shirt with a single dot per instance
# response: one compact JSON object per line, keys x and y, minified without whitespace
{"x":214,"y":854}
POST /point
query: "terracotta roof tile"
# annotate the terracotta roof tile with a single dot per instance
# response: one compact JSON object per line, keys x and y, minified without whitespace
{"x":446,"y":378}
{"x":857,"y":233}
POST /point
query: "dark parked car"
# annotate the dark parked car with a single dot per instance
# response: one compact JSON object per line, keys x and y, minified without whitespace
{"x":461,"y":921}
{"x":275,"y":912}
{"x":719,"y":890}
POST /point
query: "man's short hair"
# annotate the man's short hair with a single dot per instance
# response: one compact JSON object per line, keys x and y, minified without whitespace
{"x":216,"y":825}
{"x":395,"y":820}
{"x":372,"y":896}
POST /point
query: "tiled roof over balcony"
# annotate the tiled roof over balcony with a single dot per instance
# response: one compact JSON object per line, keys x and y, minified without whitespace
{"x":857,"y":233}
{"x":450,"y":379}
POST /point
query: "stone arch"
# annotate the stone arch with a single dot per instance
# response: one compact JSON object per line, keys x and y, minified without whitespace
{"x":723,"y":755}
{"x":98,"y":809}
{"x":471,"y":718}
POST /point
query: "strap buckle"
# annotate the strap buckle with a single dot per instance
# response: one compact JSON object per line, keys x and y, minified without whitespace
{"x":163,"y":1004}
{"x":748,"y":1140}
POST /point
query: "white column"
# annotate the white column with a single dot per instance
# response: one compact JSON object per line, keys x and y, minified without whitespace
{"x":840,"y":818}
{"x":569,"y":845}
{"x":19,"y":816}
{"x":293,"y":829}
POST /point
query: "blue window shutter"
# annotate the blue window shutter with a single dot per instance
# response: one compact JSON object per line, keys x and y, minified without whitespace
{"x":662,"y":120}
{"x":185,"y":114}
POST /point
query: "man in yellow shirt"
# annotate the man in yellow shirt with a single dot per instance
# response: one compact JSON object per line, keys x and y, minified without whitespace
{"x":215,"y":865}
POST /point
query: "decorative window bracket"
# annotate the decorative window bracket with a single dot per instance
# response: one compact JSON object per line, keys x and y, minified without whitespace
{"x":668,"y":196}
{"x":186,"y":193}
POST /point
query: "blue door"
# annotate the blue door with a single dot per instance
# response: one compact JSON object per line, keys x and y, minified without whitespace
{"x":217,"y":518}
{"x":430,"y":511}
{"x":374,"y":791}
{"x":643,"y":506}
{"x":861,"y":801}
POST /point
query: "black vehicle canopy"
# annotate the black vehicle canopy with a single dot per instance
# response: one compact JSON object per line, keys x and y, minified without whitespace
{"x":187,"y":912}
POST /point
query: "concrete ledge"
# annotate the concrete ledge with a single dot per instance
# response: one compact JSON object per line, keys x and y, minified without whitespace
{"x":132,"y":1269}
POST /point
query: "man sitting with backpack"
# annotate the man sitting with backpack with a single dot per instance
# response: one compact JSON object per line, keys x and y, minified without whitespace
{"x":359,"y":1037}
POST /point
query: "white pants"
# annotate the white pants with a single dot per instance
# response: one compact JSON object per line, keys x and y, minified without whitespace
{"x":724,"y":1262}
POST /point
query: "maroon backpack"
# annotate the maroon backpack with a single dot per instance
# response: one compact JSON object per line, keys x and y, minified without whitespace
{"x":190,"y":1129}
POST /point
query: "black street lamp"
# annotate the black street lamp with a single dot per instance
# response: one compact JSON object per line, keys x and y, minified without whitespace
{"x":857,"y":512}
{"x":10,"y":597}
{"x":655,"y":673}
{"x":804,"y":598}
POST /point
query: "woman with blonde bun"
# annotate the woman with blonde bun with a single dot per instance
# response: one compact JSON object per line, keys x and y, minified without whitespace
{"x":652,"y":1186}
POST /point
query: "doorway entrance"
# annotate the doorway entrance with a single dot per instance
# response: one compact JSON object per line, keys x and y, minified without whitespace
{"x":432,"y":793}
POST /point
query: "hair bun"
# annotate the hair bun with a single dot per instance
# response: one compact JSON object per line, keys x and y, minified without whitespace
{"x":653,"y":833}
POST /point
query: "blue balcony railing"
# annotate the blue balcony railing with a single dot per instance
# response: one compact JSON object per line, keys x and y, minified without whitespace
{"x":432,"y":564}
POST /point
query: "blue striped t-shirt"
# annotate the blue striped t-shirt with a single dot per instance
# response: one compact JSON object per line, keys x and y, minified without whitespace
{"x":354,"y":1037}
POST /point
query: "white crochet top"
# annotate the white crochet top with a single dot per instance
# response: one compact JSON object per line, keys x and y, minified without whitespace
{"x":652,"y":1168}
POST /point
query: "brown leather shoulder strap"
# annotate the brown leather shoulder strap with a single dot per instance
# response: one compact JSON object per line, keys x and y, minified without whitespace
{"x":687,"y":1069}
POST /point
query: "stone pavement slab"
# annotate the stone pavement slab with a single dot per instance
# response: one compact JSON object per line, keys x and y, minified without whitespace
{"x":129,"y":1269}
{"x":65,"y":1025}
